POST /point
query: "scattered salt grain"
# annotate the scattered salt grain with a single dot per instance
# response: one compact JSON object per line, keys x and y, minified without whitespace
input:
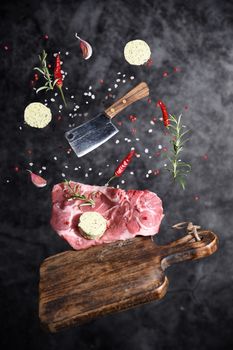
{"x":117,"y":141}
{"x":55,"y":158}
{"x":115,"y":86}
{"x":160,"y":146}
{"x":90,"y":169}
{"x":86,"y":175}
{"x":93,"y":97}
{"x":109,"y":89}
{"x":63,"y":175}
{"x":131,"y":173}
{"x":122,"y":181}
{"x":118,"y":80}
{"x":60,"y":107}
{"x":90,"y":87}
{"x":31,"y":164}
{"x":132,"y":77}
{"x":66,"y":166}
{"x":100,"y":174}
{"x":123,"y":81}
{"x":150,"y":131}
{"x":119,"y":73}
{"x":149,"y":171}
{"x":72,"y":96}
{"x":67,"y":53}
{"x":44,"y":167}
{"x":147,"y":175}
{"x":146,"y":150}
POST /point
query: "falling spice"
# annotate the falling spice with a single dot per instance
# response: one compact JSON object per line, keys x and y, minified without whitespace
{"x":179,"y":169}
{"x":122,"y":166}
{"x":37,"y":180}
{"x":58,"y":77}
{"x":85,"y":47}
{"x":164,"y":112}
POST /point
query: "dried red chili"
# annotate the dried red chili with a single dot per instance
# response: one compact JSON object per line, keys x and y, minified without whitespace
{"x":123,"y":165}
{"x":58,"y":76}
{"x":165,"y":113}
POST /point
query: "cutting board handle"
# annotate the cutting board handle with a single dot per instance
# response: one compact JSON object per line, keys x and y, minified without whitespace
{"x":187,"y":248}
{"x":137,"y":93}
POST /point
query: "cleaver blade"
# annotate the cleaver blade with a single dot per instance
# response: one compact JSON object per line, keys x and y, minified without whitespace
{"x":90,"y":135}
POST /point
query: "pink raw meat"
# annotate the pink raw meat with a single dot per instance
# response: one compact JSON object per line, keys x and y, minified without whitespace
{"x":128,"y":213}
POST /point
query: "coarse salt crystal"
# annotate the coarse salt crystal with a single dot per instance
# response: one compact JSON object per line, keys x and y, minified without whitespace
{"x":100,"y":174}
{"x":150,"y":131}
{"x":117,"y":141}
{"x":132,"y":77}
{"x":146,"y":150}
{"x":160,"y":146}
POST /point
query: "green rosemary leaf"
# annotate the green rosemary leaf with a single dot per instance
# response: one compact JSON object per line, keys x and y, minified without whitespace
{"x":39,"y":70}
{"x":55,"y":82}
{"x":41,"y":88}
{"x":181,"y":182}
{"x":184,"y":133}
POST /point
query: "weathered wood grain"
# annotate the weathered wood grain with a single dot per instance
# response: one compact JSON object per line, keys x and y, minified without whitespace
{"x":137,"y":93}
{"x":76,"y":286}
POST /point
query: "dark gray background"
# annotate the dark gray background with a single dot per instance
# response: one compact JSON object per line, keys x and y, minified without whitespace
{"x":196,"y":36}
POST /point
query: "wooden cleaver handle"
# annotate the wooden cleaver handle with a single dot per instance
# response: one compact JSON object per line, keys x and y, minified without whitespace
{"x":137,"y":93}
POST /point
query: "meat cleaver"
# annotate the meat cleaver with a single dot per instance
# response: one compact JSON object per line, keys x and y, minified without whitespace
{"x":90,"y":135}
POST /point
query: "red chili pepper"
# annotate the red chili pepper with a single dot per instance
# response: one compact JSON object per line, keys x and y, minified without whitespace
{"x":123,"y":165}
{"x":58,"y":76}
{"x":165,"y":113}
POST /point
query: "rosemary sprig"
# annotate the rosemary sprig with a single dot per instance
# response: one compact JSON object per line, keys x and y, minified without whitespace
{"x":73,"y":193}
{"x":43,"y":69}
{"x":177,"y":168}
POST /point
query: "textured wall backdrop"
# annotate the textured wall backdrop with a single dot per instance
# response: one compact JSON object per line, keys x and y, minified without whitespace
{"x":194,"y":36}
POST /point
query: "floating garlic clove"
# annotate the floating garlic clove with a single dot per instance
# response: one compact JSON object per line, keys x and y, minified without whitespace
{"x":37,"y":180}
{"x":85,"y":47}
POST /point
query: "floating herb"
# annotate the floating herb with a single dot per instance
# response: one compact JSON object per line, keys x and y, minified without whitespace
{"x":43,"y":69}
{"x":71,"y":193}
{"x":177,"y":168}
{"x":122,"y":166}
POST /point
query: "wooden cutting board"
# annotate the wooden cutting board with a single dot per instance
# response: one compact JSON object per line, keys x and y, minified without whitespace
{"x":76,"y":286}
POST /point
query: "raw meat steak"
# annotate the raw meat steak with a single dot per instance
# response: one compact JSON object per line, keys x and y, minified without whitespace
{"x":128,"y":213}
